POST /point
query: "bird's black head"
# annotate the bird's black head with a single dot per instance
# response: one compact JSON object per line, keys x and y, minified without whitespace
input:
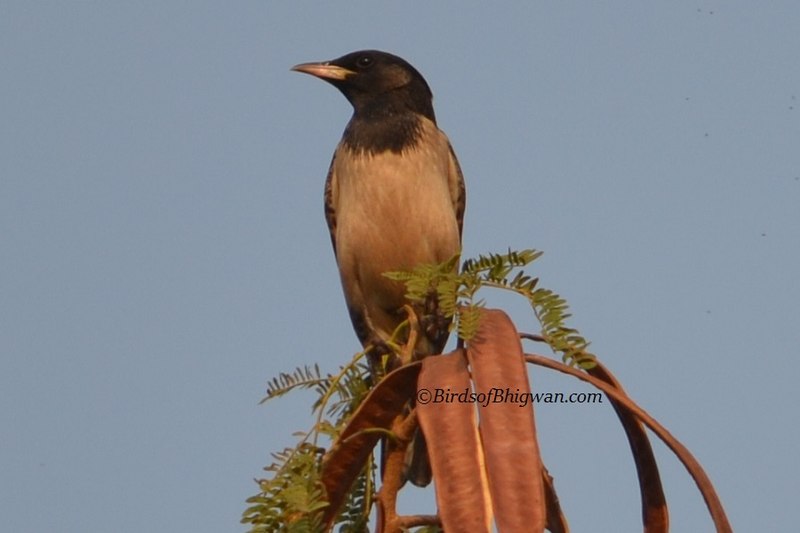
{"x":378,"y":84}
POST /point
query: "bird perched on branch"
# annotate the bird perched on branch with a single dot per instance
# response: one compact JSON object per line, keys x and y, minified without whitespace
{"x":394,"y":197}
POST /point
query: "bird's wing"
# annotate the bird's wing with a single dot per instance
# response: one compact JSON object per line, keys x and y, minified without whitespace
{"x":330,"y":203}
{"x":458,"y":194}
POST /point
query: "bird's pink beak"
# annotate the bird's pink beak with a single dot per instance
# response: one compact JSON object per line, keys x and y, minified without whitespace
{"x":324,"y":70}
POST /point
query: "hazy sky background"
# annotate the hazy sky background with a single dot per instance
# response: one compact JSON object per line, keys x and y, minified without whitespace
{"x":163,"y":250}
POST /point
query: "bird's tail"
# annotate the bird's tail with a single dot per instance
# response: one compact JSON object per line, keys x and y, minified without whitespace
{"x":417,"y":463}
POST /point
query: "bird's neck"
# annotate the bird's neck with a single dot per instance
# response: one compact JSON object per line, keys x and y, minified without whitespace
{"x":374,"y":133}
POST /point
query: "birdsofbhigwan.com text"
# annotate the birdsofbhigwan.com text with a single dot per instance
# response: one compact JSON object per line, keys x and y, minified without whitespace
{"x":500,"y":395}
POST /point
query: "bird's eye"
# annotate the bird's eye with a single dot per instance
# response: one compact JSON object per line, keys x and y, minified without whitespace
{"x":364,"y":62}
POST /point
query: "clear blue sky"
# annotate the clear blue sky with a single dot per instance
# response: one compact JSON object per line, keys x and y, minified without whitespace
{"x":163,"y":248}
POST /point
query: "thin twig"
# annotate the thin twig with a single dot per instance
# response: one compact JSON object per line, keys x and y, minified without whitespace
{"x":418,"y":520}
{"x":532,"y":337}
{"x":392,"y":480}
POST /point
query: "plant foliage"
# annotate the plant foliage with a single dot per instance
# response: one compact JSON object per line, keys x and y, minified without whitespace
{"x":293,"y":497}
{"x":456,"y":293}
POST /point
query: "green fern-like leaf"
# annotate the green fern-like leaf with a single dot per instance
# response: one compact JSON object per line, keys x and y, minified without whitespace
{"x":350,"y":389}
{"x":302,"y":377}
{"x":456,"y":295}
{"x":468,"y":320}
{"x":354,"y":517}
{"x":293,"y":498}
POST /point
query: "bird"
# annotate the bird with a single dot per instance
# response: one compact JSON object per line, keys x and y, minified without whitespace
{"x":394,"y":199}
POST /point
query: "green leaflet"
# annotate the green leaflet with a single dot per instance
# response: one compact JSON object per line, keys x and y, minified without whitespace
{"x":292,"y":498}
{"x":456,"y":293}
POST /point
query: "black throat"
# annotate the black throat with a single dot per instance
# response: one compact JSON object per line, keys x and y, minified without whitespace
{"x":395,"y":133}
{"x":390,"y":121}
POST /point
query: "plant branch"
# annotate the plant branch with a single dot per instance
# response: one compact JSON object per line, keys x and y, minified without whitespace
{"x":684,"y":455}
